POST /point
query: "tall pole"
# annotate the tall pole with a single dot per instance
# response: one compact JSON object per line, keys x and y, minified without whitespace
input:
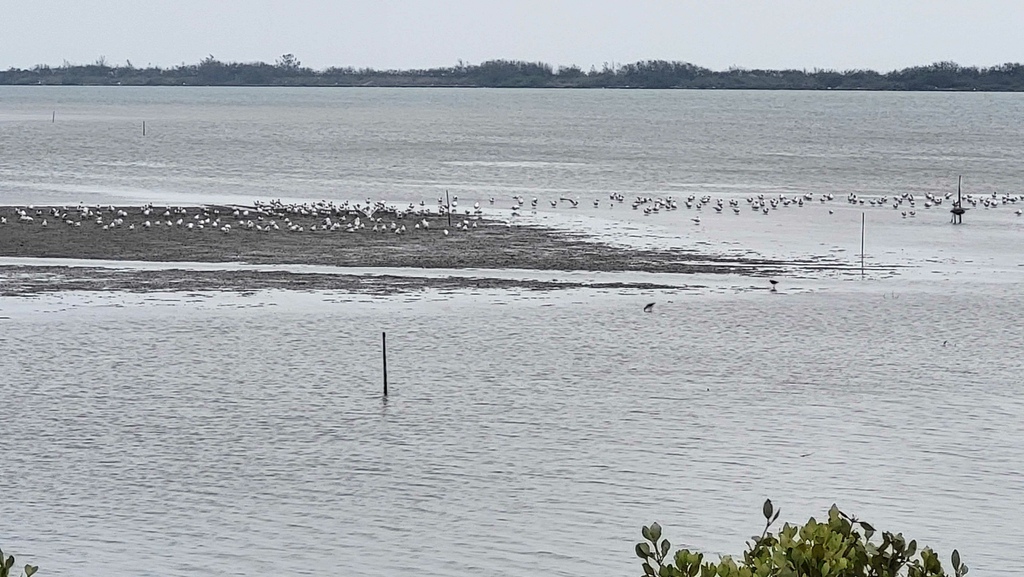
{"x":958,"y":206}
{"x":862,"y":217}
{"x":384,"y":353}
{"x":449,"y":199}
{"x":959,"y":200}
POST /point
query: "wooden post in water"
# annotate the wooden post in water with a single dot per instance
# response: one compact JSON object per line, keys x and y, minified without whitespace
{"x":449,"y":199}
{"x":54,"y":117}
{"x":862,"y":217}
{"x":384,"y":353}
{"x":143,"y":128}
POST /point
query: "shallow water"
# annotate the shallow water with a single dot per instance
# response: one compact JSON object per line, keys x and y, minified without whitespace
{"x":527,"y":433}
{"x":166,"y":435}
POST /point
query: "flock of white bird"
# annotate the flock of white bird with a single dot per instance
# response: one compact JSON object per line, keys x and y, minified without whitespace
{"x":381,"y":217}
{"x":906,"y":203}
{"x":323,"y":216}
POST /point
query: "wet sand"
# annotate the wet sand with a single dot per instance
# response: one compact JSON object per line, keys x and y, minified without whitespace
{"x":490,"y":244}
{"x":39,"y":280}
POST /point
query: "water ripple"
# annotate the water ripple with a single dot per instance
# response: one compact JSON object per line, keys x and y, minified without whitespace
{"x":166,"y":439}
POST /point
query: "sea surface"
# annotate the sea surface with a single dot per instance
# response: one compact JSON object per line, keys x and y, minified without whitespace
{"x":526,"y":433}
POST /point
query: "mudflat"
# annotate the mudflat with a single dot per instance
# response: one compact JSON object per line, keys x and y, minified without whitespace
{"x":344,"y":238}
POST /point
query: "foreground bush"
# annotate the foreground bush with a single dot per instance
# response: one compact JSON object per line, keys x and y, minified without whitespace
{"x":834,"y":549}
{"x":7,"y":562}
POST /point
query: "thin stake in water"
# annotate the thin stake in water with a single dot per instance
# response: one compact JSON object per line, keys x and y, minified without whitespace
{"x":862,"y":217}
{"x":384,"y":354}
{"x":449,"y":199}
{"x":958,"y":206}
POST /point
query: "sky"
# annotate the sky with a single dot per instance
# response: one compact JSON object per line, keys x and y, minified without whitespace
{"x":392,"y":34}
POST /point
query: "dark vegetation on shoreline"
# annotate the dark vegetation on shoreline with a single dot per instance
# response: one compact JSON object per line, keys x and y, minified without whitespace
{"x":288,"y":71}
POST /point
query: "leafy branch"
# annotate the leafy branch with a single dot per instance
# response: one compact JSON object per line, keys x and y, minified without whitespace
{"x":840,"y":547}
{"x":7,"y":563}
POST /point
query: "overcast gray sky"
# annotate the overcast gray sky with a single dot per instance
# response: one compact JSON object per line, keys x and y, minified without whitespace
{"x":878,"y":34}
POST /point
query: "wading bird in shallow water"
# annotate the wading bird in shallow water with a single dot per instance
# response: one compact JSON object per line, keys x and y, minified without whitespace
{"x":774,"y":282}
{"x":649,"y":308}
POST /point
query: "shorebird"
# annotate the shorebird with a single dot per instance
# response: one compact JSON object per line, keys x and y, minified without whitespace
{"x":774,"y":282}
{"x":649,"y":308}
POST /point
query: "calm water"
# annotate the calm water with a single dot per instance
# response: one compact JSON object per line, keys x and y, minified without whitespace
{"x":527,"y":434}
{"x":312,"y":143}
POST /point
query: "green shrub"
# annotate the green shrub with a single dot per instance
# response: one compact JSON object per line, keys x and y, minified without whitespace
{"x":6,"y":563}
{"x":837,"y":548}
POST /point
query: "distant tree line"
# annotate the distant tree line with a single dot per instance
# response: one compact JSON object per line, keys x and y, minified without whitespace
{"x":288,"y":71}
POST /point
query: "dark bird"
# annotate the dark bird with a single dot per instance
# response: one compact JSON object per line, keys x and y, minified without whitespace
{"x":774,"y":282}
{"x":649,"y":308}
